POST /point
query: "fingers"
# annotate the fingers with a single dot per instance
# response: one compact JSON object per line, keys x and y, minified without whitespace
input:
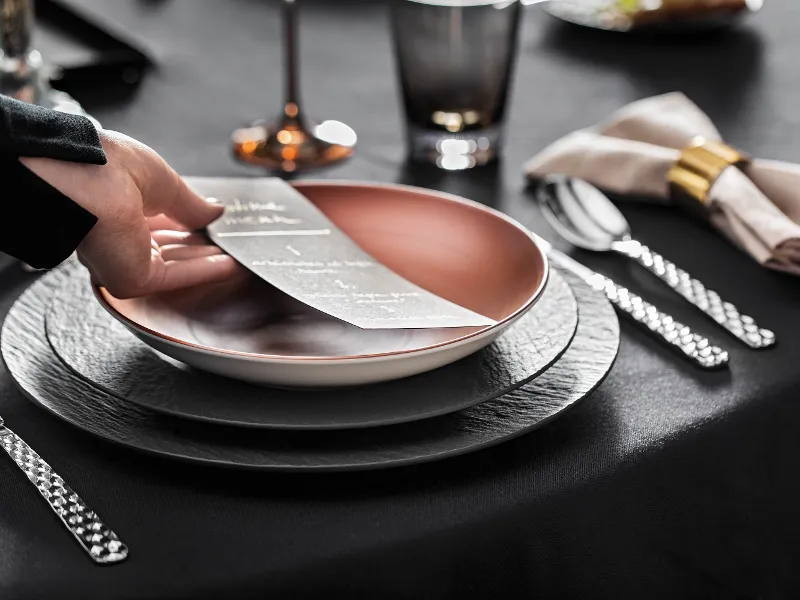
{"x":180,"y":274}
{"x":141,"y":243}
{"x":184,"y":238}
{"x":188,"y":208}
{"x":132,"y":263}
{"x":170,"y":269}
{"x":164,"y":191}
{"x":176,"y":252}
{"x":163,"y":222}
{"x":182,"y":245}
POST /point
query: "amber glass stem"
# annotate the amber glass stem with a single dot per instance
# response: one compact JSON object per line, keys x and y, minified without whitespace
{"x":290,"y":36}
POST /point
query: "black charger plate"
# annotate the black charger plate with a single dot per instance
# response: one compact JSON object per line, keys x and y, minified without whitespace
{"x":48,"y":382}
{"x":101,"y":351}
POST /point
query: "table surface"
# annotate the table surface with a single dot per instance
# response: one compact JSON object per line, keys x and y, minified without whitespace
{"x":667,"y":482}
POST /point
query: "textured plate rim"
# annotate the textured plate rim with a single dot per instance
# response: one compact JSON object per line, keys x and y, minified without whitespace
{"x":339,"y":468}
{"x":321,"y":428}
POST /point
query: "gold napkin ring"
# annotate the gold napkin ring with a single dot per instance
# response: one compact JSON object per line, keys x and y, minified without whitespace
{"x":699,"y":166}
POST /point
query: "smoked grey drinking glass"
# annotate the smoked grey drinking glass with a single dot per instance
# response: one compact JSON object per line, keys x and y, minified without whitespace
{"x":455,"y":60}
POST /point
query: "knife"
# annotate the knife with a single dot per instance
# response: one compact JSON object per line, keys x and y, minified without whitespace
{"x":676,"y":335}
{"x":100,"y":543}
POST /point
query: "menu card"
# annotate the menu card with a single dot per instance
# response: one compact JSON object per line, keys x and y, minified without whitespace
{"x":279,"y":235}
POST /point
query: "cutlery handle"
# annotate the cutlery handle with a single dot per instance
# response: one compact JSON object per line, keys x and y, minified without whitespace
{"x":694,"y":346}
{"x":102,"y":544}
{"x":726,"y":314}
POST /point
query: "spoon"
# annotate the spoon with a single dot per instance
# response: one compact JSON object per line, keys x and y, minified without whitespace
{"x":659,"y":324}
{"x":584,"y":216}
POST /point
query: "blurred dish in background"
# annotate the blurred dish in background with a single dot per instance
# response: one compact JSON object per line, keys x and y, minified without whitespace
{"x":657,"y":16}
{"x":293,"y":142}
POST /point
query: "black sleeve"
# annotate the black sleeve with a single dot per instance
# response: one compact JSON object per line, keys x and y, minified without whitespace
{"x":39,"y":224}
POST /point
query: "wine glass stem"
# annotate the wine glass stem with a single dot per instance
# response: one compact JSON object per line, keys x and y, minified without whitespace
{"x":292,"y":107}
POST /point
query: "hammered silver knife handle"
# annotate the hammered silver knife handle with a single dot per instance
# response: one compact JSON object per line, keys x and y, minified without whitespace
{"x":726,"y":314}
{"x":100,"y":543}
{"x":692,"y":345}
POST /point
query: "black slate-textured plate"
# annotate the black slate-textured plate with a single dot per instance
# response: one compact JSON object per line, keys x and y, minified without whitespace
{"x":46,"y":381}
{"x":102,"y":352}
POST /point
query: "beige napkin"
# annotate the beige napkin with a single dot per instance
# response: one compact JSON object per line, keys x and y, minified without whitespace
{"x":757,"y":207}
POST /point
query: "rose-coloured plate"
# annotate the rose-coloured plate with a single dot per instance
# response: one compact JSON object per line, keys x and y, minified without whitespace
{"x":248,"y":330}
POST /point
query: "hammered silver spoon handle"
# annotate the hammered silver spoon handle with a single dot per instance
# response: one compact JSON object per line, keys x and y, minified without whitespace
{"x":99,"y":542}
{"x":724,"y":313}
{"x":692,"y":345}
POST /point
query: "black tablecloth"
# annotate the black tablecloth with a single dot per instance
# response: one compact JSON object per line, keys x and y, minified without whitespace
{"x":667,"y":482}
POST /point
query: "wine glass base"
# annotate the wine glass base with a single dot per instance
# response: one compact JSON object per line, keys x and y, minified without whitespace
{"x":289,"y":145}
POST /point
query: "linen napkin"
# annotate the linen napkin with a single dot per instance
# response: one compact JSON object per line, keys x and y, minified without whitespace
{"x":757,"y":205}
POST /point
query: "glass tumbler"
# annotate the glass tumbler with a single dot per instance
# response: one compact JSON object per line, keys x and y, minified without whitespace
{"x":455,"y":60}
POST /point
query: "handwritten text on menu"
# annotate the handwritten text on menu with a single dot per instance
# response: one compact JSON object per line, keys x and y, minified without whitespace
{"x":277,"y":233}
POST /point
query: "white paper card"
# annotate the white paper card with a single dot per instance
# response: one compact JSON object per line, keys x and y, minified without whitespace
{"x":277,"y":233}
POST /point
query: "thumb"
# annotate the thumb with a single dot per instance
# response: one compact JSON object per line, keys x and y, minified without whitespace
{"x":164,"y":191}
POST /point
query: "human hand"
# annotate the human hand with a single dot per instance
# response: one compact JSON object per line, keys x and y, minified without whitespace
{"x":143,"y":241}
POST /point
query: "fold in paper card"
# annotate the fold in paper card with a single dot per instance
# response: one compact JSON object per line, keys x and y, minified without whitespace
{"x":279,"y":235}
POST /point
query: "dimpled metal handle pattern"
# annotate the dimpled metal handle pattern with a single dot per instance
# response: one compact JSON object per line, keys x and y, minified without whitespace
{"x":102,"y":544}
{"x":726,"y":314}
{"x":695,"y":347}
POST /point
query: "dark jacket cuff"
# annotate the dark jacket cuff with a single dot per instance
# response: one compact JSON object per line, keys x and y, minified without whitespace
{"x":39,"y":225}
{"x":29,"y":130}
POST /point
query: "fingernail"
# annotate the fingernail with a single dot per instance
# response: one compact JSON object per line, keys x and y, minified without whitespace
{"x":213,"y":201}
{"x":219,"y":258}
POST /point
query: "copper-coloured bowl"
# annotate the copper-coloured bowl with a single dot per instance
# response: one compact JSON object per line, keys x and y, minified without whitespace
{"x":246,"y":329}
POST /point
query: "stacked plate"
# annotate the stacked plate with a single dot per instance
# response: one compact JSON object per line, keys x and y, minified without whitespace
{"x":241,"y":375}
